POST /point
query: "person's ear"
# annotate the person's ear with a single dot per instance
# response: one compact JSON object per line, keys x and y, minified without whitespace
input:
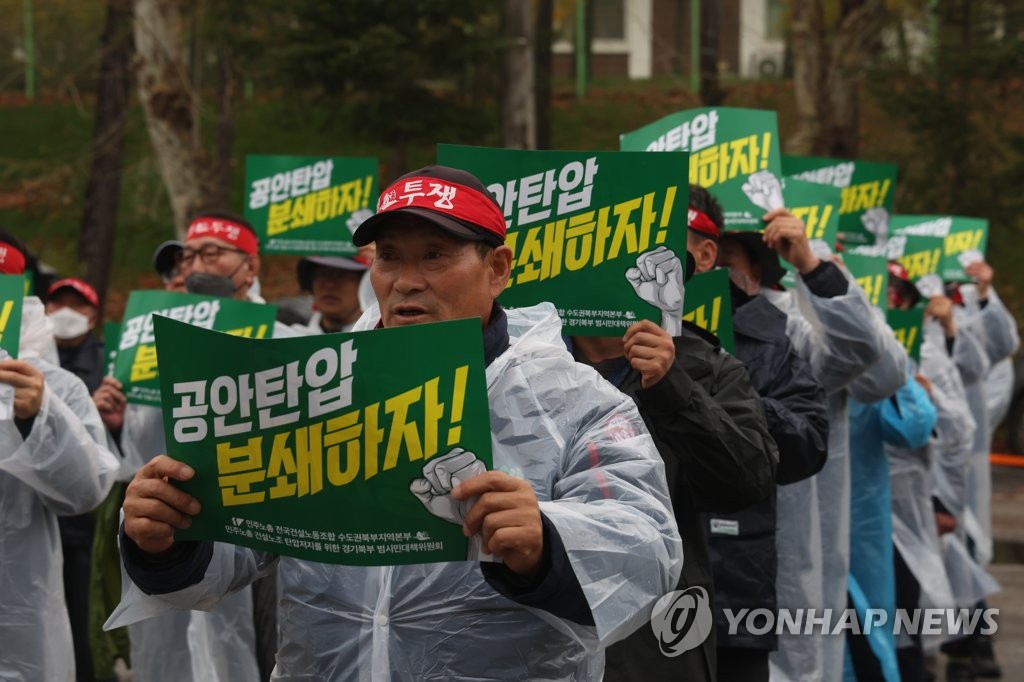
{"x":501,"y":269}
{"x":254,"y":267}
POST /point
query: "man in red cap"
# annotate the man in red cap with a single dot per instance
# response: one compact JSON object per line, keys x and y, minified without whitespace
{"x":220,"y":256}
{"x":576,"y":508}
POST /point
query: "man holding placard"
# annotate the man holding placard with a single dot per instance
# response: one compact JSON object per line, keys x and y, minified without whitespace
{"x":793,"y":403}
{"x":53,"y":461}
{"x":581,"y":520}
{"x":849,"y":358}
{"x":219,"y":258}
{"x":709,"y":426}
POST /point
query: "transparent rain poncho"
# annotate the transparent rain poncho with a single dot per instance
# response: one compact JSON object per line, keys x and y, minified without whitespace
{"x":63,"y":467}
{"x":600,"y":481}
{"x":849,"y":357}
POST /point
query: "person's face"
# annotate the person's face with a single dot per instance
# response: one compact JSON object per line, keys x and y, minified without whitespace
{"x":744,"y":273}
{"x":175,"y":281}
{"x":336,"y":293}
{"x":704,"y":251}
{"x":69,"y":298}
{"x":424,"y":274}
{"x":222,"y":259}
{"x":896,"y":302}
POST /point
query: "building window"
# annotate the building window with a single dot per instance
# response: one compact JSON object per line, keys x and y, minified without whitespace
{"x":775,"y":20}
{"x":609,"y":19}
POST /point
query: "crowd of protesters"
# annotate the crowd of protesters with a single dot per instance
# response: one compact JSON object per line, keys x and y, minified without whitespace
{"x":817,"y":466}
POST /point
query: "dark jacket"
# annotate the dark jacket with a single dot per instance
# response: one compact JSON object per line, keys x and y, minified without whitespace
{"x":87,"y":363}
{"x":710,"y":429}
{"x":742,"y":545}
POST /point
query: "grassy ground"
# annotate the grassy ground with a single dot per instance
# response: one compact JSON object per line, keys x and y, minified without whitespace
{"x":48,"y":142}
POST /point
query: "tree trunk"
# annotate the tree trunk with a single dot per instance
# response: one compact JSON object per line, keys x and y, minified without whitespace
{"x":167,"y":103}
{"x":103,"y":188}
{"x":807,"y":29}
{"x":856,"y":40}
{"x":225,"y":128}
{"x":518,"y":129}
{"x":827,"y":79}
{"x":710,"y":93}
{"x":543,"y":35}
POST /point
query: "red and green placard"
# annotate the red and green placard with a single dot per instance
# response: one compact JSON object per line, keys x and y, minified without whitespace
{"x":309,"y":205}
{"x":734,"y":154}
{"x":338,"y":448}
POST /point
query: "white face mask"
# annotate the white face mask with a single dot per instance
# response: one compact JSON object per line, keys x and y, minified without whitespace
{"x":69,"y":323}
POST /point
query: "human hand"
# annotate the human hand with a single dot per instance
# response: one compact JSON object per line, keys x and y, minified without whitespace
{"x":28,"y":386}
{"x":111,"y":403}
{"x":154,"y":508}
{"x":650,"y":350}
{"x":787,"y":234}
{"x":507,"y":515}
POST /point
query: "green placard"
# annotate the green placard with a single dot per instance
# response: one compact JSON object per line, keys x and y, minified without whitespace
{"x":590,"y":232}
{"x":308,"y":204}
{"x":906,"y":324}
{"x":872,"y":274}
{"x":136,"y":363}
{"x":964,"y":240}
{"x":339,"y":448}
{"x":734,"y":153}
{"x":818,"y":206}
{"x":111,"y":338}
{"x":709,"y":305}
{"x":12,"y":295}
{"x":919,"y":255}
{"x":866,"y":186}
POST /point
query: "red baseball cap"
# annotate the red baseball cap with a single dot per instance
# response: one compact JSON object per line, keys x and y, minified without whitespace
{"x":83,"y":288}
{"x":452,"y":199}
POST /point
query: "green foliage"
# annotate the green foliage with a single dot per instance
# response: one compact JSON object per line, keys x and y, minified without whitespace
{"x":964,"y":149}
{"x":403,"y":72}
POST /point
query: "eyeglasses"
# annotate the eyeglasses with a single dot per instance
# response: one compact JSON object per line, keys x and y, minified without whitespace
{"x":208,"y":253}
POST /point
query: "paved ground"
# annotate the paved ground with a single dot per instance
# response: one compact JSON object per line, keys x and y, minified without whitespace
{"x":1008,"y":569}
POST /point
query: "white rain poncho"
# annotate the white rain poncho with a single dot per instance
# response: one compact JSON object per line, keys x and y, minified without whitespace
{"x":217,"y":645}
{"x":951,"y":453}
{"x":62,"y":468}
{"x":814,"y":514}
{"x":912,"y":472}
{"x":600,"y":482}
{"x":997,"y":330}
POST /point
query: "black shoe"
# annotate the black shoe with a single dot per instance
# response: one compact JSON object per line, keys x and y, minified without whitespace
{"x":959,"y":670}
{"x":983,"y":658}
